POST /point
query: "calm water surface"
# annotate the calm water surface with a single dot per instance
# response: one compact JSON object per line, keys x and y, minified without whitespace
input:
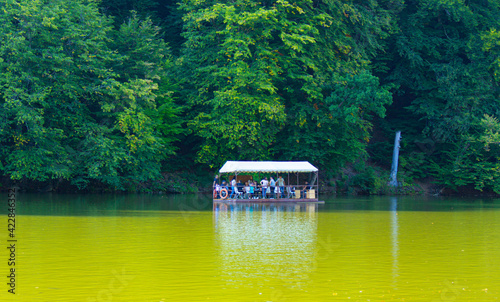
{"x":184,"y":248}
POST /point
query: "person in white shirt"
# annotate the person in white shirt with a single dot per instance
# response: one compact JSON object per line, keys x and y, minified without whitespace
{"x":263,"y":185}
{"x":233,"y":187}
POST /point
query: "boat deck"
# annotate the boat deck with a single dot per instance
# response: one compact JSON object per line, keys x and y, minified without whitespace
{"x":267,"y":200}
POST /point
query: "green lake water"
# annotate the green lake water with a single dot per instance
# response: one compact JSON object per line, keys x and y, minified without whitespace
{"x":184,"y":248}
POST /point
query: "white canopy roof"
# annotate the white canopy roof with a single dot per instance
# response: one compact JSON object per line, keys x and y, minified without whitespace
{"x":267,"y":166}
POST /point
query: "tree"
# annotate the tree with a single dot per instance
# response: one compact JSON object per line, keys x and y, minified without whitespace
{"x":442,"y":57}
{"x":77,"y":104}
{"x":335,"y":130}
{"x":474,"y":160}
{"x":332,"y":126}
{"x":439,"y":60}
{"x":257,"y":70}
{"x":122,"y":11}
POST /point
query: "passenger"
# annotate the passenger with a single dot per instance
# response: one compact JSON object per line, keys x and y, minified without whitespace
{"x":240,"y":186}
{"x":252,"y":188}
{"x":216,"y":180}
{"x":281,"y":185}
{"x":223,"y":186}
{"x":233,"y":188}
{"x":272,"y":184}
{"x":307,"y":187}
{"x":277,"y":192}
{"x":216,"y":186}
{"x":251,"y":184}
{"x":247,"y":190}
{"x":263,"y":184}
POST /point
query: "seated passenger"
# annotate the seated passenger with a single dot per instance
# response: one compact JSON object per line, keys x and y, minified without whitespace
{"x":217,"y":191}
{"x":247,"y":190}
{"x":223,"y":187}
{"x":307,"y":187}
{"x":252,"y":189}
{"x":277,"y":192}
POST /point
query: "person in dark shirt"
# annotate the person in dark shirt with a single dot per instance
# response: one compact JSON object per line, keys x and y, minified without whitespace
{"x":216,"y":186}
{"x":216,"y":180}
{"x":240,"y":186}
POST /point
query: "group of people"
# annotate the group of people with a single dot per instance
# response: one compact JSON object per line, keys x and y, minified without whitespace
{"x":252,"y":190}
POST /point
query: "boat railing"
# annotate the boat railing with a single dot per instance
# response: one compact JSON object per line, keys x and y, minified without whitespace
{"x":284,"y":192}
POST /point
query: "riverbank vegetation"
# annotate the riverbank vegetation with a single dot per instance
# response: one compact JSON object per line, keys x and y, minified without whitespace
{"x":147,"y":95}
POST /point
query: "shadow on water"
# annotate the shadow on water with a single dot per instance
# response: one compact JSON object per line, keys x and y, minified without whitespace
{"x":154,"y":205}
{"x":110,"y":204}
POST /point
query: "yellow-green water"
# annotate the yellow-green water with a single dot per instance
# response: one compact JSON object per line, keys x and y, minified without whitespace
{"x":181,"y":248}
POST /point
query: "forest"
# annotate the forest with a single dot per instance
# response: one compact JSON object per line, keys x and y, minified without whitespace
{"x":145,"y":96}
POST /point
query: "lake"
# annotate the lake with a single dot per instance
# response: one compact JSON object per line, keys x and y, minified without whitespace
{"x":184,"y":248}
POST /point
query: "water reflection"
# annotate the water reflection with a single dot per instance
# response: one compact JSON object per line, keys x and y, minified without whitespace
{"x":183,"y":248}
{"x":272,"y":242}
{"x":310,"y":207}
{"x":395,"y":239}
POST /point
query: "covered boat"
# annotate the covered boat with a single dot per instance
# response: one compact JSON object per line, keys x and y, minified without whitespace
{"x":266,"y":181}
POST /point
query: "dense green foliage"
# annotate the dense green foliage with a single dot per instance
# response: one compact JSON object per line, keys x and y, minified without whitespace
{"x":119,"y":92}
{"x":445,"y":61}
{"x":79,"y":100}
{"x":281,"y":80}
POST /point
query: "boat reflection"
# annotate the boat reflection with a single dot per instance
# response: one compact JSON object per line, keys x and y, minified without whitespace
{"x":272,"y":242}
{"x":310,"y":207}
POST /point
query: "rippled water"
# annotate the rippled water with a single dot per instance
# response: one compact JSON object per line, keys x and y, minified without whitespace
{"x":184,"y":248}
